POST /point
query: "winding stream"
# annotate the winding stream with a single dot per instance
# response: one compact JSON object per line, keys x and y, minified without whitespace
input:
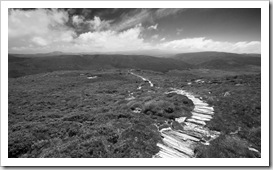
{"x":181,"y":143}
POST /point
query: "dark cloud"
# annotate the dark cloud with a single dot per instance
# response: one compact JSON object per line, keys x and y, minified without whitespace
{"x":86,"y":12}
{"x":71,"y":11}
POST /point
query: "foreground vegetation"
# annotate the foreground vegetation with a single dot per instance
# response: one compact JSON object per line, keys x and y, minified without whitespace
{"x":65,"y":114}
{"x":237,"y":103}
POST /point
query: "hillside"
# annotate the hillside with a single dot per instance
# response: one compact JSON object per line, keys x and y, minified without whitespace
{"x":20,"y":65}
{"x":219,"y":60}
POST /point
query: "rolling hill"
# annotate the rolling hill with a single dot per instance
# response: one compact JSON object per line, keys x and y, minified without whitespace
{"x":20,"y":65}
{"x":219,"y":60}
{"x":26,"y":64}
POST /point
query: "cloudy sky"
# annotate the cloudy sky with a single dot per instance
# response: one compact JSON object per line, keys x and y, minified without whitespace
{"x":117,"y":30}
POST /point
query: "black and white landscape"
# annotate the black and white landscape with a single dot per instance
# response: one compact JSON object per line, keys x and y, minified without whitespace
{"x":134,"y":83}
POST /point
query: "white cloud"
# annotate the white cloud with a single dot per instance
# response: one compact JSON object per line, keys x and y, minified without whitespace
{"x":97,"y":24}
{"x":39,"y":41}
{"x":111,"y":40}
{"x":77,"y":20}
{"x":155,"y":36}
{"x":247,"y":47}
{"x":162,"y":39}
{"x":153,"y":27}
{"x":22,"y":23}
{"x":38,"y":21}
{"x":84,"y":25}
{"x":35,"y":28}
{"x":203,"y":44}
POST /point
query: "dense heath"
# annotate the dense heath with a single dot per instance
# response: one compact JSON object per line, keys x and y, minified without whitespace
{"x":59,"y":112}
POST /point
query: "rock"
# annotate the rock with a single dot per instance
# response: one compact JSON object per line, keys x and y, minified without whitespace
{"x":180,"y":119}
{"x":226,"y":94}
{"x":137,"y":110}
{"x":253,"y":149}
{"x":92,"y":77}
{"x":130,"y":98}
{"x":199,"y":81}
{"x":238,"y":85}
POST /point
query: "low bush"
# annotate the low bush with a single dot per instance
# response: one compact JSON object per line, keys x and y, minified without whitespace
{"x":164,"y":109}
{"x":226,"y":146}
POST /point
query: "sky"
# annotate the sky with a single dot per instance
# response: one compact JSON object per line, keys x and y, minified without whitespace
{"x":174,"y":30}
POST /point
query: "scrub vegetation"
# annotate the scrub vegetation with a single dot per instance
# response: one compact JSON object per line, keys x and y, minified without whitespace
{"x":65,"y":114}
{"x":66,"y":110}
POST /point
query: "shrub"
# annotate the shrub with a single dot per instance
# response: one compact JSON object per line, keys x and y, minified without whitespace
{"x":164,"y":109}
{"x":19,"y":143}
{"x":225,"y":146}
{"x":134,"y":104}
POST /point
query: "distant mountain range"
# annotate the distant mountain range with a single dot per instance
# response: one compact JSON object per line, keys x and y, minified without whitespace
{"x":26,"y":64}
{"x":20,"y":65}
{"x":219,"y":60}
{"x":151,"y":52}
